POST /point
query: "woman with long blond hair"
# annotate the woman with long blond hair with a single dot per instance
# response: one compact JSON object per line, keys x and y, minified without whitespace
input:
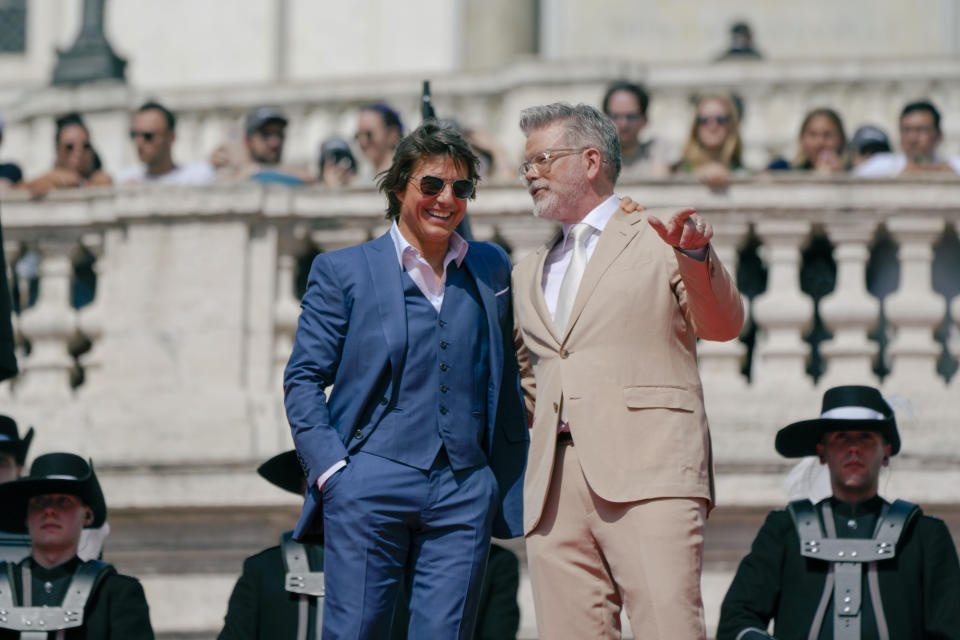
{"x":713,"y":149}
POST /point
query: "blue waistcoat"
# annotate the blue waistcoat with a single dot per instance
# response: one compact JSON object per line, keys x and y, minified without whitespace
{"x":442,"y":395}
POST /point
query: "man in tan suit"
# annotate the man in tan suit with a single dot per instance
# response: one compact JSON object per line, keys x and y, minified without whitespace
{"x":619,"y":477}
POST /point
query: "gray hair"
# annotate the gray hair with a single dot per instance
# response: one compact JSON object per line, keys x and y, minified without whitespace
{"x":586,"y":126}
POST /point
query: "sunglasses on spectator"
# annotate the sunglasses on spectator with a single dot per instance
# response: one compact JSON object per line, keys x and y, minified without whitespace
{"x":69,"y":147}
{"x":147,"y":136}
{"x":432,"y":186}
{"x":721,"y":120}
{"x":629,"y":117}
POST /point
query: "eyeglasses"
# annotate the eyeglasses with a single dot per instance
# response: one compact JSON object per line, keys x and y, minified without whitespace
{"x":629,"y":117}
{"x":721,"y":120}
{"x":147,"y":136}
{"x":542,"y":160}
{"x":363,"y":135}
{"x":432,"y":186}
{"x":60,"y":503}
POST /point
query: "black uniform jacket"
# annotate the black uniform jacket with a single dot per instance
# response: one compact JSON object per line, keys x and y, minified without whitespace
{"x":920,"y":587}
{"x":116,"y":610}
{"x":260,"y":607}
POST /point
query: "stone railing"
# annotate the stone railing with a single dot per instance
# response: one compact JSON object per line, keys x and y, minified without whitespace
{"x":167,"y":371}
{"x":177,"y":358}
{"x":775,"y":97}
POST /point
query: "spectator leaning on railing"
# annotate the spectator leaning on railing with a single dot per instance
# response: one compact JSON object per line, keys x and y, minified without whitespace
{"x":153,"y":132}
{"x":713,"y":149}
{"x":625,"y":103}
{"x":920,"y":135}
{"x":821,"y":144}
{"x":76,"y":163}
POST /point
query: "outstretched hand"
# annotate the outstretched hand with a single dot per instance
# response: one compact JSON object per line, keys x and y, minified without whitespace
{"x":684,"y":230}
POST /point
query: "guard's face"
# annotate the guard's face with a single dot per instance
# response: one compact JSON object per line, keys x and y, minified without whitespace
{"x":9,"y":469}
{"x":427,"y":221}
{"x":854,"y":459}
{"x":55,"y":520}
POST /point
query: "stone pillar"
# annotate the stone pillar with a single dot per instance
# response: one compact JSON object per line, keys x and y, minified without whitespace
{"x":955,"y":314}
{"x":49,"y":324}
{"x":782,"y":311}
{"x":915,"y":309}
{"x":849,"y":311}
{"x":720,"y":361}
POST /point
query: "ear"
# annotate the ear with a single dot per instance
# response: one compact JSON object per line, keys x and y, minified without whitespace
{"x":594,"y":163}
{"x":820,"y":453}
{"x":88,"y":519}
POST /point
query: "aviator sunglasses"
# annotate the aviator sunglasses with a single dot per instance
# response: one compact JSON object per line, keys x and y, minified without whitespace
{"x":432,"y":186}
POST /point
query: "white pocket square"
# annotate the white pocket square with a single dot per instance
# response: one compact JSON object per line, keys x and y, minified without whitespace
{"x":503,"y":291}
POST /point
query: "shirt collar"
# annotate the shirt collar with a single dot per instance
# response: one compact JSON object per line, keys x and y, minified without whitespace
{"x":456,"y":250}
{"x":598,"y":217}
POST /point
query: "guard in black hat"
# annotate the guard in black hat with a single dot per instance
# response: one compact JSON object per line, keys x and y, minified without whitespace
{"x":854,"y":565}
{"x":279,"y":595}
{"x":13,"y":449}
{"x":53,"y":590}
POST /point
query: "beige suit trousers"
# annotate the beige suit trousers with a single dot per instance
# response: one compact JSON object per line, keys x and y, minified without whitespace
{"x":589,"y":557}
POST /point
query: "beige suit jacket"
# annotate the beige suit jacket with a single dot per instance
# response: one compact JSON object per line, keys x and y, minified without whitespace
{"x":626,"y":367}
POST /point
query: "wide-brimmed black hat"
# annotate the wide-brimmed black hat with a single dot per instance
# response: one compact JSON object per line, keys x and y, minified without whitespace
{"x":284,"y":471}
{"x":51,"y":473}
{"x":11,"y":442}
{"x":849,"y":408}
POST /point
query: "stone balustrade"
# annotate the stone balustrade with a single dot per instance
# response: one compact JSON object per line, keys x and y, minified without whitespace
{"x":169,"y":374}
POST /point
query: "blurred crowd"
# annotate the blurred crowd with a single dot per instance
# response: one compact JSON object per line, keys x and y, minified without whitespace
{"x":712,"y":150}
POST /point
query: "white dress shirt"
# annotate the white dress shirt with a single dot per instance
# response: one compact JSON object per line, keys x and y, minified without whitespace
{"x":420,"y":271}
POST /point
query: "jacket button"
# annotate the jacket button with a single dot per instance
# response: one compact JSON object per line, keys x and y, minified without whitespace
{"x":443,"y":388}
{"x":443,"y":410}
{"x":358,"y":434}
{"x":441,"y":323}
{"x":443,"y":366}
{"x":443,"y":345}
{"x":383,"y":400}
{"x":564,"y":354}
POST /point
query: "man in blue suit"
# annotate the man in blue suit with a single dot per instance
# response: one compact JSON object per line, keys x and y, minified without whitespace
{"x":418,"y":453}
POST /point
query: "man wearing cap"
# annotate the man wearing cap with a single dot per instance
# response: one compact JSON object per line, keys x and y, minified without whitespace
{"x":853,"y":565}
{"x":259,"y":159}
{"x":53,"y":589}
{"x":866,"y":142}
{"x":417,"y":454}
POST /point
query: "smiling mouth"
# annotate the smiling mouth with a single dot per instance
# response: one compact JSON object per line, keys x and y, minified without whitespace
{"x":440,"y":215}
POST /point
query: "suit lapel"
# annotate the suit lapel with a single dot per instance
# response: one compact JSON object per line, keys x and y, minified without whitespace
{"x":381,"y":257}
{"x":618,"y":233}
{"x":482,"y":277}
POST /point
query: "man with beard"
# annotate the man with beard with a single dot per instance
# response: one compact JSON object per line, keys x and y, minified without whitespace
{"x":853,"y":565}
{"x":619,"y":478}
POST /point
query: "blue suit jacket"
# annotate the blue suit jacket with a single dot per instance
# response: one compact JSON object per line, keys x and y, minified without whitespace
{"x":352,"y":333}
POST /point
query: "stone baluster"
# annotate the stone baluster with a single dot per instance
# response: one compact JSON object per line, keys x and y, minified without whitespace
{"x":914,"y":310}
{"x":49,"y":324}
{"x":286,"y":305}
{"x":783,"y":310}
{"x":954,"y":344}
{"x":90,"y":319}
{"x":849,"y":311}
{"x":720,"y":361}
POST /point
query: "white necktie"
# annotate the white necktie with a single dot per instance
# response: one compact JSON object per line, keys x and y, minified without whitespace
{"x":571,"y":279}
